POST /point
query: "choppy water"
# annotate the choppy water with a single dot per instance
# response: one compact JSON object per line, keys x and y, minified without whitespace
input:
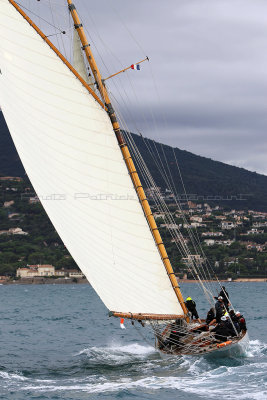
{"x":58,"y":343}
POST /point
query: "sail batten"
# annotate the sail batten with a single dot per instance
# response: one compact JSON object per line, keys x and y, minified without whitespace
{"x":69,"y":149}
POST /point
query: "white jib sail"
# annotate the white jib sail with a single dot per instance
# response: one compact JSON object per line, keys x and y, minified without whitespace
{"x":70,"y":153}
{"x":78,"y":60}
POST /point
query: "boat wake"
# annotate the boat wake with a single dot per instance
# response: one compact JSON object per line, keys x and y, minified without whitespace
{"x":133,"y":369}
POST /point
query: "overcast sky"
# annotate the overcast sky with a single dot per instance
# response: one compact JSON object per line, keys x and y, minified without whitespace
{"x":205,"y":87}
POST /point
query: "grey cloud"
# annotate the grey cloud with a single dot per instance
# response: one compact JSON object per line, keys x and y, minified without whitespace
{"x":209,"y":63}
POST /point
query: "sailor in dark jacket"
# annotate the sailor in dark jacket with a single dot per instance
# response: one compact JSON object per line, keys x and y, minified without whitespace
{"x":222,"y":332}
{"x":191,"y":306}
{"x":241,"y":320}
{"x":223,"y":293}
{"x":219,"y":308}
{"x":210,"y":316}
{"x":233,"y":327}
{"x":234,"y":320}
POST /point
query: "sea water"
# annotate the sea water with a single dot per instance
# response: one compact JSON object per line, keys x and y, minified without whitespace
{"x":57,"y":342}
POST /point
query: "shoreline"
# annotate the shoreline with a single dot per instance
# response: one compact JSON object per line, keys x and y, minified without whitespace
{"x":63,"y":281}
{"x":225,"y":280}
{"x":45,"y":281}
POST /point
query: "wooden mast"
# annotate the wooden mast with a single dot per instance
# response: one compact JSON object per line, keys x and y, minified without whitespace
{"x":126,"y":154}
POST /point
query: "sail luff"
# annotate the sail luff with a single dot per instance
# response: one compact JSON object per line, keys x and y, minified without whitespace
{"x":127,"y":157}
{"x":44,"y":37}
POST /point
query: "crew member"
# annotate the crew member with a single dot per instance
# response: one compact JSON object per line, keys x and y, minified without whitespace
{"x":220,"y":310}
{"x":221,"y":330}
{"x":223,"y":293}
{"x":210,"y":320}
{"x":241,"y":320}
{"x":191,"y":306}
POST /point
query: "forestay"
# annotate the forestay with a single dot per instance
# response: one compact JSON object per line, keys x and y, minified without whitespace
{"x":70,"y":153}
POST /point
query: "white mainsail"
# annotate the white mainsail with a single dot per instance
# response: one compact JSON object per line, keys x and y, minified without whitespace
{"x":70,"y":153}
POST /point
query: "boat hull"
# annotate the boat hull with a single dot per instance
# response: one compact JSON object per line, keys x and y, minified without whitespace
{"x":231,"y":348}
{"x":236,"y":349}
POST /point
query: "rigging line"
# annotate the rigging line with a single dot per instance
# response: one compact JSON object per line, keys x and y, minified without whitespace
{"x":188,"y":346}
{"x":54,"y":17}
{"x":38,"y":16}
{"x":160,"y":160}
{"x":127,"y":29}
{"x":175,"y":192}
{"x":205,"y":277}
{"x":105,"y":45}
{"x":180,"y":241}
{"x":145,"y":177}
{"x":192,"y":237}
{"x":167,"y":216}
{"x":146,"y":142}
{"x":140,"y":334}
{"x":165,"y":155}
{"x":53,"y":22}
{"x":181,"y":178}
{"x":141,"y":171}
{"x":128,"y":109}
{"x":170,"y":187}
{"x":161,"y":144}
{"x":71,"y":37}
{"x":91,"y":38}
{"x":119,"y":84}
{"x":205,"y":290}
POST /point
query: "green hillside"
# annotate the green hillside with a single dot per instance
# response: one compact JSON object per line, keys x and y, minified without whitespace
{"x":10,"y":164}
{"x":205,"y":179}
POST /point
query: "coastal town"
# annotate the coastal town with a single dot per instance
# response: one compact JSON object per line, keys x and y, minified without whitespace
{"x":233,"y":240}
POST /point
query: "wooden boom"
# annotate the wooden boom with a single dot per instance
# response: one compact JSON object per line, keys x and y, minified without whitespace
{"x":126,"y":155}
{"x":141,"y":317}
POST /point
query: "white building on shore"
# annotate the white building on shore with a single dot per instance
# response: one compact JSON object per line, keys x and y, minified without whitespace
{"x":46,"y":270}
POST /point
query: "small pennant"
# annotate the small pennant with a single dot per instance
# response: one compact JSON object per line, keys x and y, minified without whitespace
{"x":122,"y":324}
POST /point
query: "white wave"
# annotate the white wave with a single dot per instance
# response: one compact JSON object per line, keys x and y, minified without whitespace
{"x":118,"y":353}
{"x":256,"y":348}
{"x":246,"y":382}
{"x":198,"y":386}
{"x":135,"y":349}
{"x":9,"y":376}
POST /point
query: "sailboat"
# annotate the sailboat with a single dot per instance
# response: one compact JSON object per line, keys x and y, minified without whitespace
{"x":71,"y":144}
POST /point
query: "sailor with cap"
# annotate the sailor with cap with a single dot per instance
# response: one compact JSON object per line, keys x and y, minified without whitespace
{"x":219,"y":308}
{"x":191,"y":306}
{"x":222,"y":331}
{"x":223,"y":293}
{"x":241,"y":320}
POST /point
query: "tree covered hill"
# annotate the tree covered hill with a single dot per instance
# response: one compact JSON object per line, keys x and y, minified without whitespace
{"x":205,"y":179}
{"x":10,"y":164}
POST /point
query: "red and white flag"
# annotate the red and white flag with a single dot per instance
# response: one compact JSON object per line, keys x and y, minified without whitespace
{"x":122,"y":324}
